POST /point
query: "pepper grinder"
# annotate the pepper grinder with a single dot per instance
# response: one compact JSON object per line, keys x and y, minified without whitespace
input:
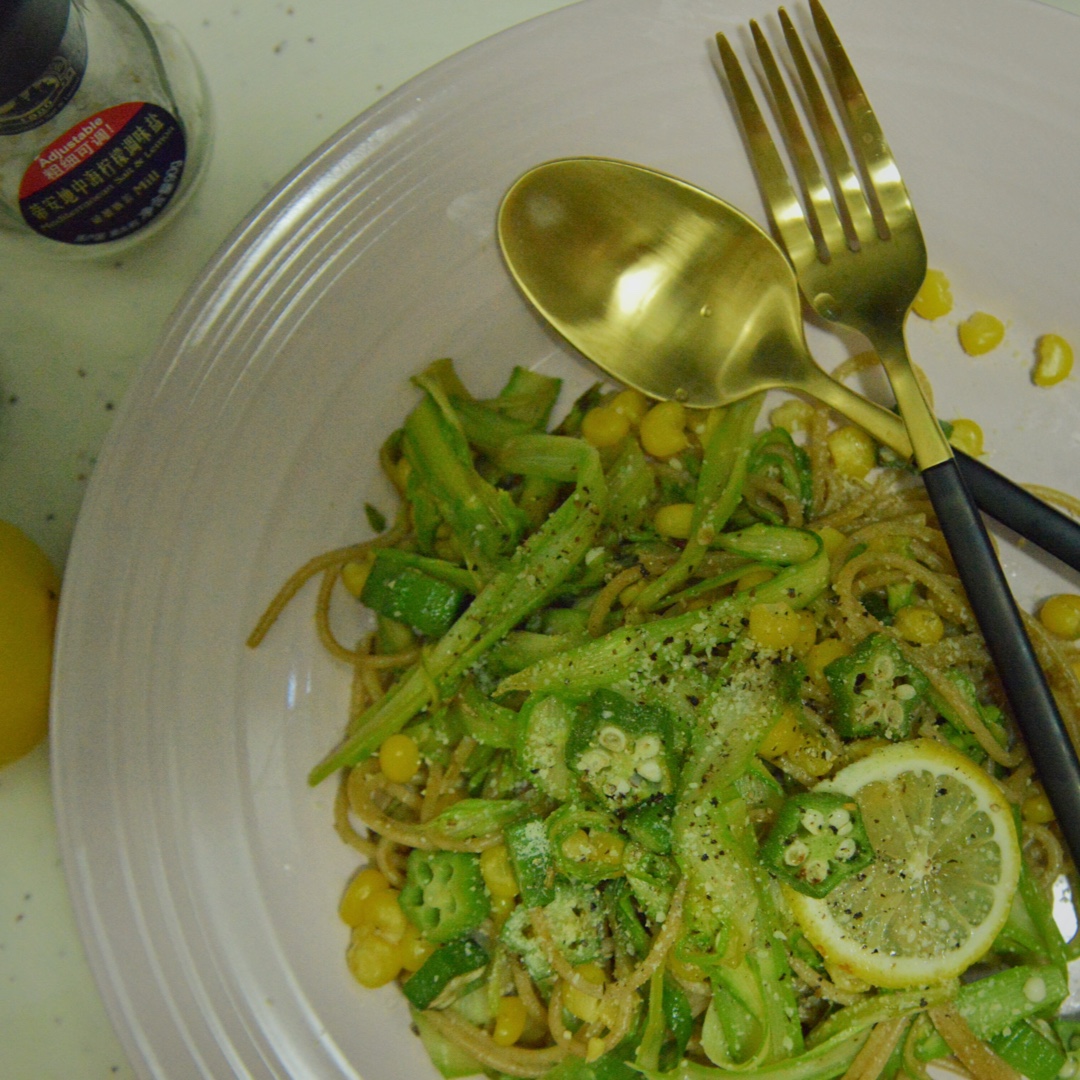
{"x":104,"y":123}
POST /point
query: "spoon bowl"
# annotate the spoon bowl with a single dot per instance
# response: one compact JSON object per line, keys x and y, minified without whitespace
{"x":667,"y":288}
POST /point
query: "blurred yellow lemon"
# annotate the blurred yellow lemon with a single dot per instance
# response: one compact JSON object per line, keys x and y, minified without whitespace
{"x":29,"y":591}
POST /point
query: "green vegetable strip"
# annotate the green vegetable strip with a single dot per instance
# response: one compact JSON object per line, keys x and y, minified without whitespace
{"x":733,"y":930}
{"x":532,"y":576}
{"x":995,"y":1003}
{"x":720,"y":487}
{"x":640,"y":653}
{"x":484,"y":520}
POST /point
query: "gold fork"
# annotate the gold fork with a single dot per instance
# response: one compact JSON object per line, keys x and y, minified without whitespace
{"x":860,"y":260}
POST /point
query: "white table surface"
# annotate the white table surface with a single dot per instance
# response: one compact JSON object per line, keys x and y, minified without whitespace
{"x":284,"y":75}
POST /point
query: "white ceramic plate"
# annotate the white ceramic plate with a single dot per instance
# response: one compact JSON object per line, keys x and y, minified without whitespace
{"x":205,"y":872}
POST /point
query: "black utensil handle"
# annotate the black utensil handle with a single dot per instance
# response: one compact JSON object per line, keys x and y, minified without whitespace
{"x":1021,"y":511}
{"x":999,"y":618}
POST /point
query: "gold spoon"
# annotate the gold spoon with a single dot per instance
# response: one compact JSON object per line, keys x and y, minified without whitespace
{"x":666,"y":288}
{"x":678,"y":294}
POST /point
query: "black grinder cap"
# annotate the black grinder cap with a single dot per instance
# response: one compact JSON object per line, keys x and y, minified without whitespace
{"x":30,"y":35}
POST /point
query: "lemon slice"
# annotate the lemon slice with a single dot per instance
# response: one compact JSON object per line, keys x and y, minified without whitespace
{"x":947,"y":864}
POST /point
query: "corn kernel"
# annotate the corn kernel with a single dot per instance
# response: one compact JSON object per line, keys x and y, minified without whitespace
{"x":783,"y":737}
{"x":683,"y":969}
{"x":603,"y":426}
{"x":510,"y":1019}
{"x":823,"y":654}
{"x":1037,"y":809}
{"x":1053,"y":360}
{"x":415,"y":949}
{"x":501,"y":908}
{"x":674,"y":520}
{"x":807,"y":633}
{"x":774,"y":626}
{"x":980,"y":332}
{"x":594,"y":1049}
{"x":579,"y":1003}
{"x":382,"y":913}
{"x":608,"y":847}
{"x":919,"y":625}
{"x":792,"y":416}
{"x":354,"y":574}
{"x":399,"y":758}
{"x":753,"y":578}
{"x":373,"y":960}
{"x":1061,"y":615}
{"x":831,"y":538}
{"x":632,"y":404}
{"x":813,"y":756}
{"x":934,"y":298}
{"x":852,"y":451}
{"x":967,"y":436}
{"x":497,"y":873}
{"x":663,"y":430}
{"x":364,"y":883}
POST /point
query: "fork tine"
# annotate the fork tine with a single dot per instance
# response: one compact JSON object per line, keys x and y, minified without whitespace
{"x":797,"y":232}
{"x":848,"y":185}
{"x":821,"y":209}
{"x":867,"y":139}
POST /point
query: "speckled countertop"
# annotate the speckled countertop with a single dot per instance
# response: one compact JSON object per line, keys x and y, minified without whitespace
{"x":284,"y":75}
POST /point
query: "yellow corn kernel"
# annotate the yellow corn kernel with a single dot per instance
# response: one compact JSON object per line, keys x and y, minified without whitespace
{"x":1061,"y":615}
{"x":919,"y":625}
{"x":1037,"y":809}
{"x":364,"y":883}
{"x":354,"y":574}
{"x":382,"y":913}
{"x":674,"y":520}
{"x":607,"y":848}
{"x":497,"y":872}
{"x":753,"y":578}
{"x":373,"y":960}
{"x":415,"y":949}
{"x":807,"y":633}
{"x":579,"y":1003}
{"x":967,"y":436}
{"x":852,"y":451}
{"x":793,"y":415}
{"x":596,"y":847}
{"x":632,"y":404}
{"x":813,"y":756}
{"x":683,"y":969}
{"x":831,"y":538}
{"x":775,"y":626}
{"x":663,"y":430}
{"x":511,"y":1017}
{"x":934,"y":298}
{"x":399,"y":758}
{"x":980,"y":332}
{"x":603,"y":426}
{"x":594,"y":1049}
{"x":1053,"y":360}
{"x":822,"y":655}
{"x":783,"y":737}
{"x":501,"y":907}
